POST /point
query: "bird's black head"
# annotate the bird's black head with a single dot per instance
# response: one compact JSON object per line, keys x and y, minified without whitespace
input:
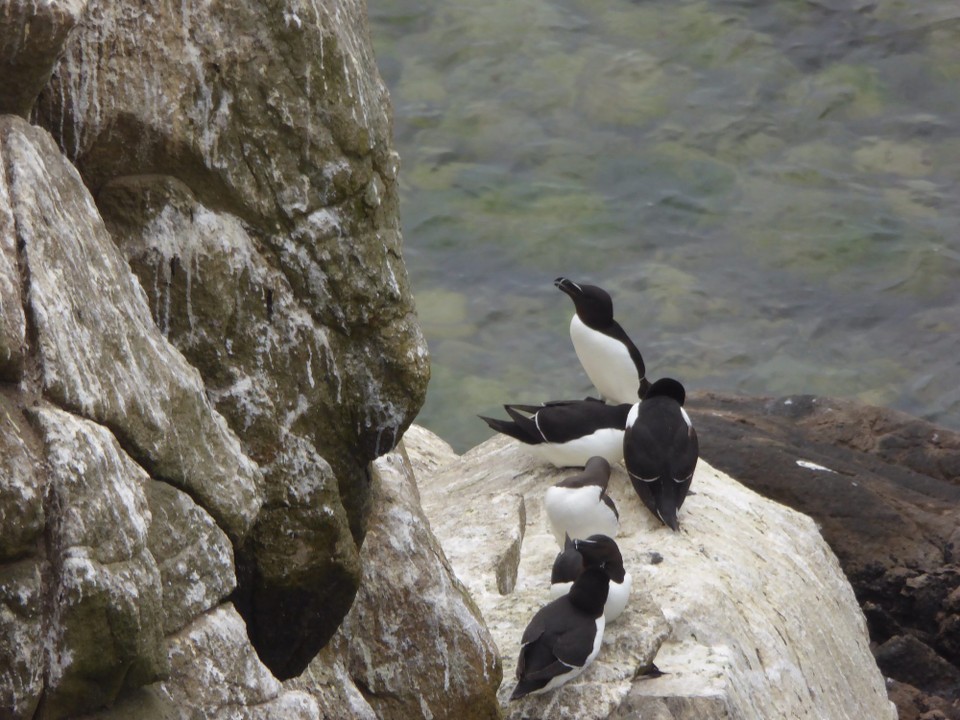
{"x":589,"y":591}
{"x":667,"y":387}
{"x":602,"y":551}
{"x":593,"y":304}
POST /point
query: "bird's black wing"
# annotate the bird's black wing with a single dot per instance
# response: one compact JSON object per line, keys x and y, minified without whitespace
{"x":563,"y":423}
{"x":616,"y":331}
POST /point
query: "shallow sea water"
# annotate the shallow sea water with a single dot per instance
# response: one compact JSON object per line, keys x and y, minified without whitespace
{"x":769,"y":190}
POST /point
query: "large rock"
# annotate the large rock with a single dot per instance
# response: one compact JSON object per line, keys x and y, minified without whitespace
{"x":32,"y":35}
{"x":746,"y":610}
{"x":413,"y":644}
{"x":241,"y":156}
{"x":883,"y":486}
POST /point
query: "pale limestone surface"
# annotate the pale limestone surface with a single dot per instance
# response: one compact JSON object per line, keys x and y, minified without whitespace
{"x":748,"y":613}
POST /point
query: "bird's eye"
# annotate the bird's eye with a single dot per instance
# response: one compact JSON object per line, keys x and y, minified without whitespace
{"x":603,"y":565}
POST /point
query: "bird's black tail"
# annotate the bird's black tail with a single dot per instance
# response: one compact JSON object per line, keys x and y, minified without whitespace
{"x":508,"y":427}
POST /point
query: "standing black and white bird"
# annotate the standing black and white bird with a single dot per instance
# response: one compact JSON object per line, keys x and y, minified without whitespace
{"x":609,"y":357}
{"x":567,"y":433}
{"x":579,"y":505}
{"x":564,"y":637}
{"x":660,"y":450}
{"x":569,"y":563}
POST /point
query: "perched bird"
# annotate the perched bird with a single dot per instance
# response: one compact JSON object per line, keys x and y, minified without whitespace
{"x":567,"y":433}
{"x":569,"y":563}
{"x":660,"y":450}
{"x":580,"y":506}
{"x":564,"y":637}
{"x":609,"y":357}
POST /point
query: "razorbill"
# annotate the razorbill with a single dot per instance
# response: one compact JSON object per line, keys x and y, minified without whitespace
{"x":564,"y":637}
{"x":567,"y":433}
{"x":569,"y":563}
{"x":660,"y":450}
{"x":580,"y":506}
{"x":609,"y":357}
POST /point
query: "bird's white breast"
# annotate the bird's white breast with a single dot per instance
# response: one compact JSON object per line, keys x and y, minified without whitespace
{"x":617,"y":598}
{"x":606,"y":361}
{"x":579,"y":512}
{"x":606,"y":442}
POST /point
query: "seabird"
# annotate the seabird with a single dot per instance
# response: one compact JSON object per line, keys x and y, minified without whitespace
{"x":567,"y":433}
{"x":609,"y":357}
{"x":660,"y":450}
{"x":564,"y":637}
{"x":569,"y":563}
{"x":580,"y":506}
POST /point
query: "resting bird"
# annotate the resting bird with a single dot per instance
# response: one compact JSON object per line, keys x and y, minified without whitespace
{"x":564,"y":637}
{"x":660,"y":450}
{"x":609,"y":357}
{"x":580,"y":506}
{"x":569,"y":563}
{"x":567,"y":433}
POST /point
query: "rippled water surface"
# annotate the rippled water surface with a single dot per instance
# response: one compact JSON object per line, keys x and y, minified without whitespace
{"x":769,"y":190}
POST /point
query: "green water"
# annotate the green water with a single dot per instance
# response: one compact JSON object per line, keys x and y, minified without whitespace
{"x":769,"y":190}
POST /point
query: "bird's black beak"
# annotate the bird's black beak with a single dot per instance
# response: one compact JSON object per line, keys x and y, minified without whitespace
{"x":567,"y":286}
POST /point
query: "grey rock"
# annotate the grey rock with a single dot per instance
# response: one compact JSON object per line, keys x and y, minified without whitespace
{"x":32,"y":36}
{"x":748,"y":615}
{"x":100,"y":354}
{"x":193,"y":554}
{"x":12,"y":320}
{"x":21,"y":485}
{"x":105,"y":630}
{"x":21,"y":639}
{"x":214,"y":675}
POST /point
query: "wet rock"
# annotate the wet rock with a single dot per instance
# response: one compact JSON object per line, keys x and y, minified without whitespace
{"x":721,"y":614}
{"x":883,"y":488}
{"x":100,"y":355}
{"x":414,"y":643}
{"x":32,"y":36}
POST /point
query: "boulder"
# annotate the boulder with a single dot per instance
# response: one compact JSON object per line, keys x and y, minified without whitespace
{"x":883,"y":487}
{"x":745,"y":611}
{"x":414,"y":643}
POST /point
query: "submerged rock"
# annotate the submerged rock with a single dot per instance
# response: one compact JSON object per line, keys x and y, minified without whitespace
{"x":745,"y":610}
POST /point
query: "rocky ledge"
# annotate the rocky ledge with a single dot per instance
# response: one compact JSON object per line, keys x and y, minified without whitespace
{"x":746,"y":611}
{"x":884,"y":488}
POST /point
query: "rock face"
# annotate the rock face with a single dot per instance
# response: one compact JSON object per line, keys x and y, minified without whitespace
{"x":745,"y":610}
{"x":883,"y":487}
{"x":240,"y":156}
{"x":200,"y":427}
